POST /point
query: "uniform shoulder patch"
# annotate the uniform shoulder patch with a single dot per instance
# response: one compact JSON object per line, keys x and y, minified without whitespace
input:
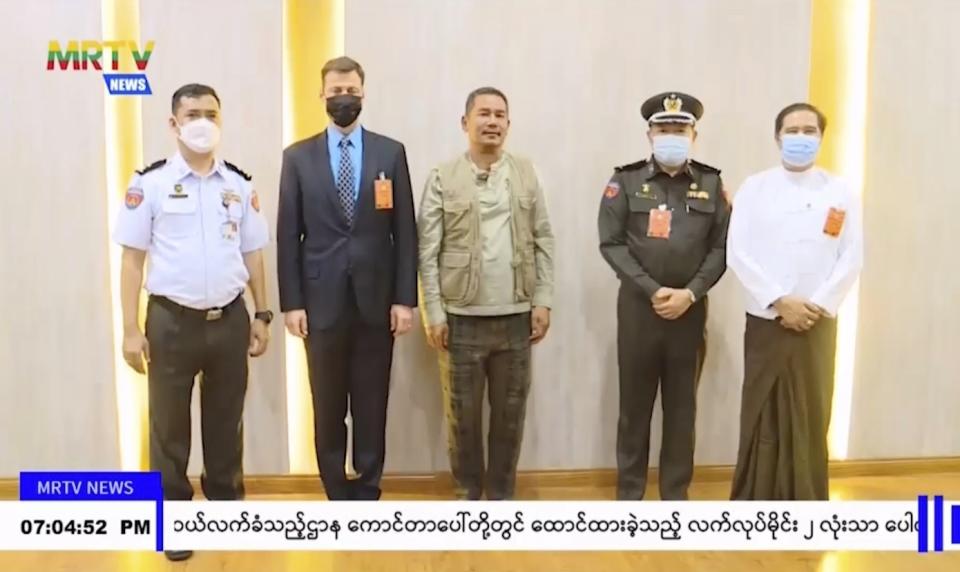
{"x":133,"y":198}
{"x":612,"y":190}
{"x":152,"y":167}
{"x":255,"y":200}
{"x":237,"y":170}
{"x":704,"y":167}
{"x":632,"y":166}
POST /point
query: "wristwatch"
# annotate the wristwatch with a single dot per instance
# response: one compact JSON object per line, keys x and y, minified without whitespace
{"x":265,"y":316}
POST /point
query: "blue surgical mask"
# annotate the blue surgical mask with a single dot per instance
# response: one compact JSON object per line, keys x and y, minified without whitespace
{"x":799,"y":150}
{"x":671,"y":150}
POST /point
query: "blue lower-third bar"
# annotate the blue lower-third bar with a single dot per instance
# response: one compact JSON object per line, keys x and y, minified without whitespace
{"x":922,"y":523}
{"x":938,"y":523}
{"x":955,"y":524}
{"x":95,"y":486}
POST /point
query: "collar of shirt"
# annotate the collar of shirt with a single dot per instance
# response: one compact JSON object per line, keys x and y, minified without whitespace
{"x":656,"y":169}
{"x":182,"y":170}
{"x":334,"y":137}
{"x":811,"y":178}
{"x":496,"y":171}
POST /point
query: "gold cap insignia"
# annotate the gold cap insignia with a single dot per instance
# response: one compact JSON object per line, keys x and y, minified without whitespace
{"x":672,"y":103}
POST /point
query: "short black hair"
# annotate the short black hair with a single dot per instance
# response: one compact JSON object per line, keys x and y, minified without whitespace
{"x":192,"y":90}
{"x":801,"y":106}
{"x":484,"y":91}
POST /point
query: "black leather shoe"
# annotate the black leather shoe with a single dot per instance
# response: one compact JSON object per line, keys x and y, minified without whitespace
{"x":177,"y":555}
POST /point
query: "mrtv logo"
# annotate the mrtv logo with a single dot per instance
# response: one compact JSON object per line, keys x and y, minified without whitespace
{"x":104,"y":56}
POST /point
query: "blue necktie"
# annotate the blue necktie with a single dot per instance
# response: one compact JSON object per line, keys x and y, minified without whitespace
{"x":345,"y":178}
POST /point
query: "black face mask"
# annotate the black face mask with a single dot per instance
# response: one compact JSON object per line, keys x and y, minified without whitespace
{"x":344,"y":109}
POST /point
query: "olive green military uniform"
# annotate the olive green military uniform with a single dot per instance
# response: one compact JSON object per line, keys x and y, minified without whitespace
{"x":654,"y":351}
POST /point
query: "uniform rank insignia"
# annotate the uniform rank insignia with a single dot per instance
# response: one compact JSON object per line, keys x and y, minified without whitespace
{"x":612,"y":190}
{"x":696,"y":193}
{"x":133,"y":198}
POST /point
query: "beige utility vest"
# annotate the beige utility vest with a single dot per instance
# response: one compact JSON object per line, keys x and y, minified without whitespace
{"x":461,"y":252}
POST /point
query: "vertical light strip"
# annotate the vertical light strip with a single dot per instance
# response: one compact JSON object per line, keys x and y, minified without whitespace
{"x":831,"y":560}
{"x":312,"y":33}
{"x":124,"y":154}
{"x":839,"y":53}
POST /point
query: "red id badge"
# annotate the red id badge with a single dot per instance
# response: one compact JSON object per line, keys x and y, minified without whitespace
{"x":834,"y":223}
{"x":383,"y":194}
{"x":659,"y":225}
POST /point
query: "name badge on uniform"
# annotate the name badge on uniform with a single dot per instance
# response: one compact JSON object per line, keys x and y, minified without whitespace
{"x":229,"y":230}
{"x":177,"y":192}
{"x":834,"y":223}
{"x":383,"y":193}
{"x":659,"y":224}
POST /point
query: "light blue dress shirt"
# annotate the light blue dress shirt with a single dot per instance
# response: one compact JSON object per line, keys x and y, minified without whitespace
{"x":195,"y":231}
{"x":334,"y":136}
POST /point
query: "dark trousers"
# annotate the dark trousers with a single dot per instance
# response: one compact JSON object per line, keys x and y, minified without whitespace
{"x":183,"y":343}
{"x":353,"y":359}
{"x":654,"y":352}
{"x":482,"y":349}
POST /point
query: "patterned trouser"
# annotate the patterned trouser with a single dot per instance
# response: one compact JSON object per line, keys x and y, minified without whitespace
{"x":480,"y":349}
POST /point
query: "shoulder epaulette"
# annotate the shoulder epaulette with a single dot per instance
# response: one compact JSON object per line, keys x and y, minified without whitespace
{"x":632,"y":166}
{"x":237,"y":170}
{"x":704,"y":167}
{"x":152,"y":167}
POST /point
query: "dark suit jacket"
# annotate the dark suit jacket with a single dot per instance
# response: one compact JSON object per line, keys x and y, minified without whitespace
{"x":317,"y":251}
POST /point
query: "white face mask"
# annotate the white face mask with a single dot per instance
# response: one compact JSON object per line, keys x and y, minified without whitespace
{"x":671,"y":150}
{"x":200,"y":135}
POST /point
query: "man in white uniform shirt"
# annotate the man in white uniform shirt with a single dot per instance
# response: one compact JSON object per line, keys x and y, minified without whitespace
{"x":198,"y":219}
{"x":796,"y":244}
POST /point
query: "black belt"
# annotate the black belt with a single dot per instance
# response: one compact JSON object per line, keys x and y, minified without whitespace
{"x":210,"y":314}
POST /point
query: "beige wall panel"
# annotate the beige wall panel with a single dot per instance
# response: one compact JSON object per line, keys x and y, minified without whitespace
{"x":57,"y":398}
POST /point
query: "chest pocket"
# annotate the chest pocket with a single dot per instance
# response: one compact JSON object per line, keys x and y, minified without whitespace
{"x":527,"y":203}
{"x":698,"y":219}
{"x":701,"y":206}
{"x":457,"y":223}
{"x":640,"y":208}
{"x":179,"y":216}
{"x":642,"y":205}
{"x":525,"y":219}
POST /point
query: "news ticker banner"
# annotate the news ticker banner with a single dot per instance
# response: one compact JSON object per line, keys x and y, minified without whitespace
{"x":125,"y":511}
